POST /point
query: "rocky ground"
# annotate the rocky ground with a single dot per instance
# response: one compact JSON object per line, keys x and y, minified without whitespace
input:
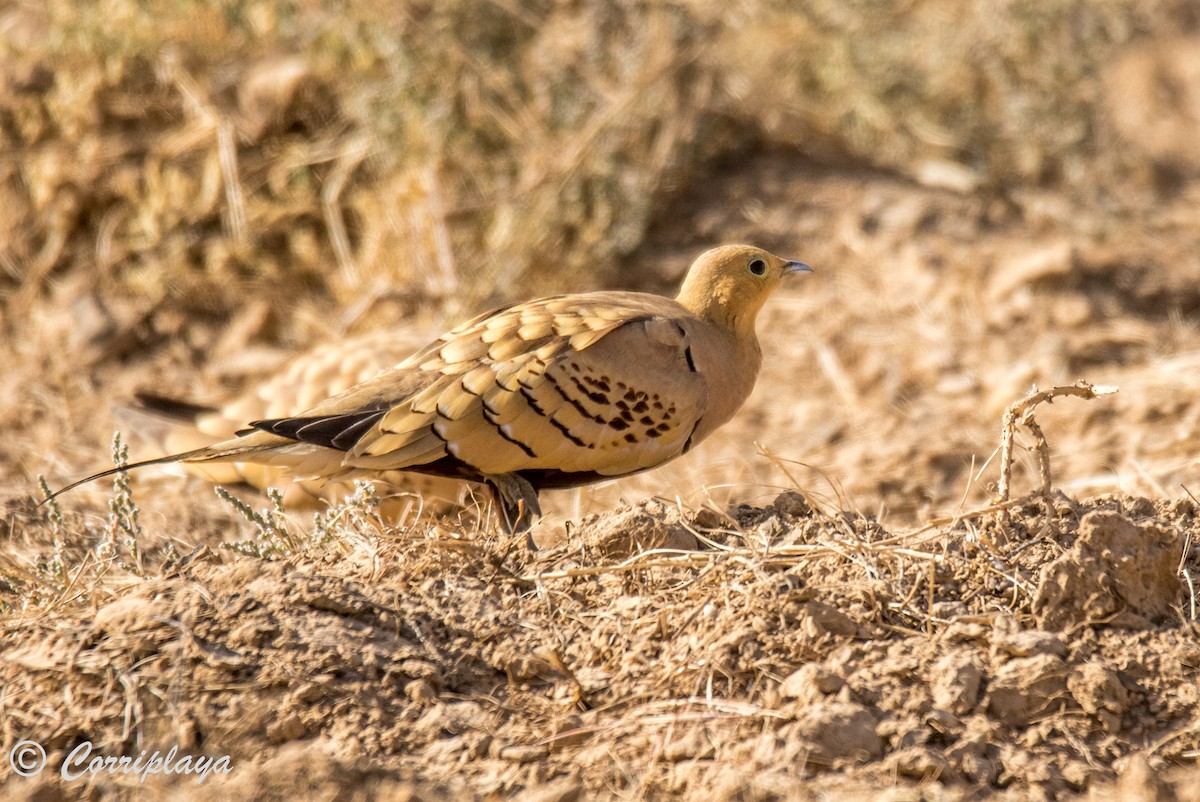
{"x":830,"y":599}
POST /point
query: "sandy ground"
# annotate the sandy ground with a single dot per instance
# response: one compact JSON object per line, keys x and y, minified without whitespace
{"x":824,"y":601}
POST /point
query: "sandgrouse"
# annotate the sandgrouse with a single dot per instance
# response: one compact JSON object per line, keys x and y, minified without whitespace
{"x":555,"y":392}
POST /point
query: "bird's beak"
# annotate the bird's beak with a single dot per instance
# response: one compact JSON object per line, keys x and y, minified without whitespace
{"x":796,"y":267}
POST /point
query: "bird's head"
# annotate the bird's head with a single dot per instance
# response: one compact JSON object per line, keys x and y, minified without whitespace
{"x":728,"y":285}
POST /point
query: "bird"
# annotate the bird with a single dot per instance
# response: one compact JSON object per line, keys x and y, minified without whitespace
{"x":556,"y":392}
{"x":172,"y":425}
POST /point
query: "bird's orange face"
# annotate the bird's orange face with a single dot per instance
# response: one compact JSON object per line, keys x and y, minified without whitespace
{"x":729,"y":285}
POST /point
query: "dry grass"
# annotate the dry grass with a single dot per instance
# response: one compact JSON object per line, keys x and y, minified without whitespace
{"x":571,"y":658}
{"x":182,"y":156}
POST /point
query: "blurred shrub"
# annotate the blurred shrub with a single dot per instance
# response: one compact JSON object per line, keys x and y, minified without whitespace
{"x":458,"y":152}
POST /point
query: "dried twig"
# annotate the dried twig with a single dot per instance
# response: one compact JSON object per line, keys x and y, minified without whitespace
{"x":1187,"y":577}
{"x":1020,"y":413}
{"x":1043,"y":451}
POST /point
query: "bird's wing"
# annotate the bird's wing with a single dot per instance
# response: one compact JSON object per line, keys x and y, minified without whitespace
{"x":319,"y":374}
{"x":178,"y":426}
{"x":603,"y":383}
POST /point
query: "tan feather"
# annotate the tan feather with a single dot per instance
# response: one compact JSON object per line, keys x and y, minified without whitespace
{"x":409,"y":450}
{"x":463,"y":349}
{"x":479,"y":381}
{"x":455,"y":402}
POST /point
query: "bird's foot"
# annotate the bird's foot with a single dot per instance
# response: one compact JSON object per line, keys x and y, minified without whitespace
{"x":518,"y":502}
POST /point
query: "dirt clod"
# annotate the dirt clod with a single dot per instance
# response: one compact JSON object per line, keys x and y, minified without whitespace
{"x":1026,"y":688}
{"x":1029,"y":642}
{"x":647,"y":525}
{"x":129,"y":614}
{"x":567,"y":789}
{"x":811,"y":682}
{"x":1099,"y":691}
{"x":839,"y":731}
{"x":956,"y":681}
{"x":1118,"y":572}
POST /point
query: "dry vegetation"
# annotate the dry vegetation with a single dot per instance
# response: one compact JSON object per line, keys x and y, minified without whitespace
{"x":825,"y":601}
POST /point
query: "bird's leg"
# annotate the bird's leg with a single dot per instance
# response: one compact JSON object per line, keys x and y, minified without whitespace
{"x":518,"y":503}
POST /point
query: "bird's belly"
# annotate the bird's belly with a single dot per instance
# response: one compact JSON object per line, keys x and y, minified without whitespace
{"x":540,"y":476}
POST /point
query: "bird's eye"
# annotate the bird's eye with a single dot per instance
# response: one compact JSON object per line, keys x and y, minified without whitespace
{"x":758,"y":267}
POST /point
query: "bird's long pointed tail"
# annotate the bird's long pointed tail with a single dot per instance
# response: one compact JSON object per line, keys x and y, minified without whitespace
{"x":229,"y":449}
